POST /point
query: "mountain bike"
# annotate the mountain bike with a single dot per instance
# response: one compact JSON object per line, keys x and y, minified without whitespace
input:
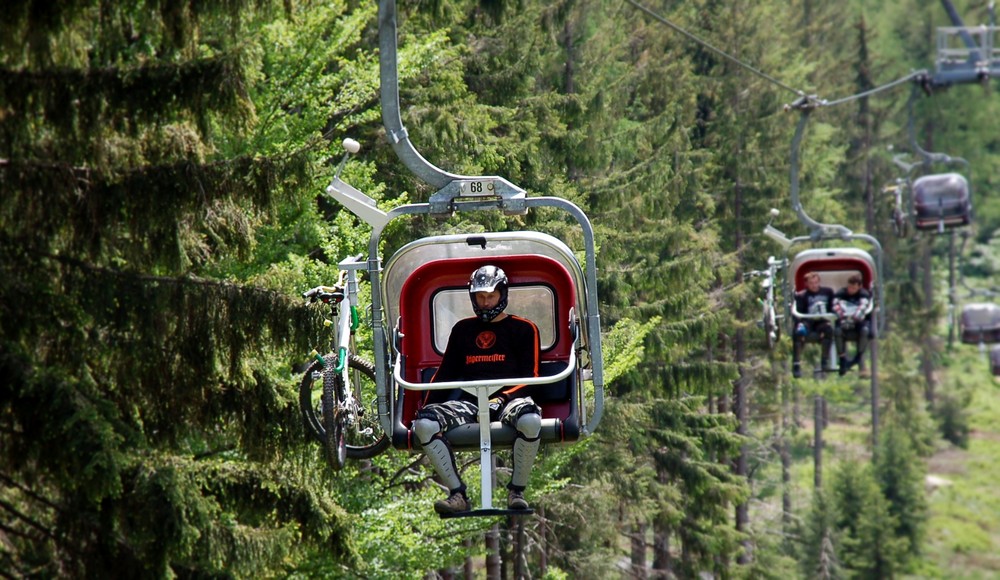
{"x":769,"y":320}
{"x":337,"y":395}
{"x":900,"y":221}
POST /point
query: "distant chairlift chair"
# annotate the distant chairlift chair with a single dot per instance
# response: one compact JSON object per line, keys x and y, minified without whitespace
{"x":980,"y":324}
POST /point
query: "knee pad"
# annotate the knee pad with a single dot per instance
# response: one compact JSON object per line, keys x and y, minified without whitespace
{"x":529,"y":426}
{"x":426,"y":429}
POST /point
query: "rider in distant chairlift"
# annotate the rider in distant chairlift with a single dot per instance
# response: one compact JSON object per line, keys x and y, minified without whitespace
{"x":850,"y":304}
{"x":815,"y":299}
{"x":490,"y":345}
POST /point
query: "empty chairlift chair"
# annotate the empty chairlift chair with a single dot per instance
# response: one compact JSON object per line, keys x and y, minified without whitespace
{"x":941,"y":201}
{"x":980,"y":323}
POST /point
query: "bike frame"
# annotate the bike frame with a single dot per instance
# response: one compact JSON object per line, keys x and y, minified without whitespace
{"x":347,"y":322}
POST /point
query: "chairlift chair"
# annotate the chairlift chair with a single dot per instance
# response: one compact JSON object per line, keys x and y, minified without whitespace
{"x":834,"y":266}
{"x":979,"y":323}
{"x":425,"y":290}
{"x":941,"y":201}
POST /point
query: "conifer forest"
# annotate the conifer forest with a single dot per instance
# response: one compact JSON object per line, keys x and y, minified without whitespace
{"x":163,"y":169}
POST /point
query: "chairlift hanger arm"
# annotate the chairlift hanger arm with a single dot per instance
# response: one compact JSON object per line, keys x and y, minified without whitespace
{"x":928,"y":157}
{"x":817,"y":231}
{"x":448,"y":184}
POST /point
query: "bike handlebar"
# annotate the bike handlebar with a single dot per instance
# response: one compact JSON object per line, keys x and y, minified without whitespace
{"x":326,"y":294}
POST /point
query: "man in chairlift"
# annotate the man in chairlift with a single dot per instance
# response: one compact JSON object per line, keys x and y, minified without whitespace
{"x":815,"y":299}
{"x":491,"y":345}
{"x":850,"y":304}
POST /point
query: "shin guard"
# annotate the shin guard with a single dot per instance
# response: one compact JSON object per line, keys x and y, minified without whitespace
{"x":525,"y":449}
{"x":440,"y":455}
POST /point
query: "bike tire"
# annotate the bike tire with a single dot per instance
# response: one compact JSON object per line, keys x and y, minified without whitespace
{"x":769,"y":330}
{"x":358,"y":444}
{"x":334,"y":444}
{"x":309,"y":401}
{"x":362,"y":445}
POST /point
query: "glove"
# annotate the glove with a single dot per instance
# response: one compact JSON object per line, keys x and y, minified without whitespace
{"x":801,"y":329}
{"x":496,"y":404}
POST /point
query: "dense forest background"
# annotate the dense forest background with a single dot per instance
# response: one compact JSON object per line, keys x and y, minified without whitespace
{"x":161,"y":174}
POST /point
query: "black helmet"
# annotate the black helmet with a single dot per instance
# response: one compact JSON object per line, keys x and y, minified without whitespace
{"x":488,"y":279}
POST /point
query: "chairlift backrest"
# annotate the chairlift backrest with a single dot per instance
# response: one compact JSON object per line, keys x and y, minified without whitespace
{"x":436,"y":296}
{"x":980,"y":323}
{"x":834,"y":266}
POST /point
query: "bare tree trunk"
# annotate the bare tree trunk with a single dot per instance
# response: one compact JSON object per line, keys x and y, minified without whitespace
{"x":662,"y":565}
{"x":520,"y":556}
{"x":929,"y":393}
{"x":873,"y":349}
{"x":927,"y":352}
{"x":818,"y":441}
{"x":493,"y":553}
{"x":468,"y":569}
{"x":543,"y":548}
{"x":638,"y":542}
{"x":786,"y":462}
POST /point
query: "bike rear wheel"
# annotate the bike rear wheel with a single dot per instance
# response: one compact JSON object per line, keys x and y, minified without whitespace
{"x":770,"y":334}
{"x":364,"y":440}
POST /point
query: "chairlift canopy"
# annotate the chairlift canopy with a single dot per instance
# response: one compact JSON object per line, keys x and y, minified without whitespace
{"x":941,"y":201}
{"x":834,"y":266}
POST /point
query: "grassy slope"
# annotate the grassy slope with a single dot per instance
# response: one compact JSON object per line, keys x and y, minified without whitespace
{"x":963,"y":534}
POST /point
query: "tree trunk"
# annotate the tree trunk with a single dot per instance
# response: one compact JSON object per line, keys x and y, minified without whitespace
{"x":543,"y":554}
{"x":518,"y":552}
{"x":662,"y":566}
{"x":786,"y":462}
{"x":639,"y":551}
{"x":927,"y":352}
{"x":493,"y":553}
{"x":818,"y":441}
{"x":469,"y":568}
{"x":951,"y":303}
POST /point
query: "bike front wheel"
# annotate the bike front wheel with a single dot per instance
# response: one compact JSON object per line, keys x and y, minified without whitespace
{"x":365,"y":438}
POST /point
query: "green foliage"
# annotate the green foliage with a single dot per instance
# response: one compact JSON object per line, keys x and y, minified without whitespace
{"x":819,"y":539}
{"x":900,"y":474}
{"x":162,"y":168}
{"x":869,"y":546}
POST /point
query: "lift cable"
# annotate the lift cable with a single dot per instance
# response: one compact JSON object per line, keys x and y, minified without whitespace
{"x":805,"y":101}
{"x":717,"y":51}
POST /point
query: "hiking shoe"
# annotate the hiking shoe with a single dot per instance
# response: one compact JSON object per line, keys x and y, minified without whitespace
{"x":844,"y":365}
{"x":865,"y":373}
{"x":515,"y":500}
{"x":796,"y":371}
{"x":453,"y":504}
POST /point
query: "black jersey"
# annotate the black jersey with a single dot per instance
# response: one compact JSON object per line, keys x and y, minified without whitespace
{"x":819,"y":302}
{"x":480,"y":350}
